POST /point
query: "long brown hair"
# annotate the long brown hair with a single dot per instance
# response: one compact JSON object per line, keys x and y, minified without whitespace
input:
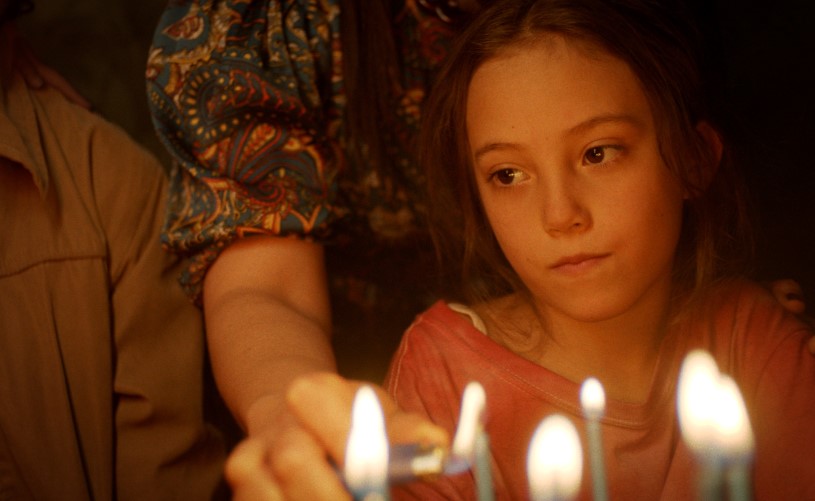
{"x":661,"y":47}
{"x":372,"y":75}
{"x":371,"y":79}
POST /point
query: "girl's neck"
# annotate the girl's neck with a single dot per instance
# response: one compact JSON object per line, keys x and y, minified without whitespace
{"x":622,"y":352}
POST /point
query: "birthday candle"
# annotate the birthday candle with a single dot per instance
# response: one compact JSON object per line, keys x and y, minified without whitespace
{"x":483,"y":474}
{"x":697,"y":397}
{"x":735,"y":439}
{"x":471,"y":442}
{"x":366,"y":453}
{"x":593,"y":401}
{"x":470,"y":420}
{"x":555,"y":462}
{"x":470,"y":450}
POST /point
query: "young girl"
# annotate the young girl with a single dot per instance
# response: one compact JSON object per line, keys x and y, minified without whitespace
{"x":584,"y":198}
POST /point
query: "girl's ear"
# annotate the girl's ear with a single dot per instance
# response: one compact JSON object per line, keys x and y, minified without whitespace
{"x":714,"y":148}
{"x":712,"y":139}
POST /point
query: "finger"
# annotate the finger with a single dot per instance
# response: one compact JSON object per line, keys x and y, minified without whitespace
{"x":55,"y":80}
{"x":247,"y":475}
{"x":323,"y":403}
{"x":789,"y":294}
{"x":301,"y":468}
{"x":407,"y":427}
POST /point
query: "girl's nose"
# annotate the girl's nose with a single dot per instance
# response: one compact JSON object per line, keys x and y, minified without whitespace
{"x":563,"y":209}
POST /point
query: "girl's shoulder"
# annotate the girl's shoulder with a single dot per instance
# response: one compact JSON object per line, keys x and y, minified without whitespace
{"x":448,"y":328}
{"x":743,"y":298}
{"x":447,"y":319}
{"x":739,"y":321}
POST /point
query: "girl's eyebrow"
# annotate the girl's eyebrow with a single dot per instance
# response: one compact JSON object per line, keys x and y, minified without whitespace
{"x":498,"y":146}
{"x":593,"y":122}
{"x":578,"y":129}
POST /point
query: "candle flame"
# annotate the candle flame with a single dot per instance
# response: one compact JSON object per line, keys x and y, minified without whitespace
{"x":734,"y":433}
{"x":712,"y":414}
{"x":366,"y":454}
{"x":470,"y":421}
{"x":592,"y":398}
{"x":696,"y":400}
{"x":555,"y":461}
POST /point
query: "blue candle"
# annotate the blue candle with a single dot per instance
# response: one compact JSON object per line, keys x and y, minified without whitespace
{"x":697,"y":400}
{"x":471,"y":447}
{"x":593,"y":401}
{"x":483,"y":474}
{"x":735,"y":440}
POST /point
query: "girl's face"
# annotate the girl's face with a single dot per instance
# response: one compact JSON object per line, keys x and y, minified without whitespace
{"x":567,"y":165}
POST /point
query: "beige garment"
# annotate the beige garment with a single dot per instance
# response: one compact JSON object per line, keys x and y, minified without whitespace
{"x":101,"y":355}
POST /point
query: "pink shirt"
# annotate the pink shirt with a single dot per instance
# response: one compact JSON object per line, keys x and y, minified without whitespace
{"x":741,"y":325}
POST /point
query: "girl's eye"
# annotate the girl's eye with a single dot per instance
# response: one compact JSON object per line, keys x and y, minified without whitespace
{"x":507,"y":177}
{"x":600,"y":154}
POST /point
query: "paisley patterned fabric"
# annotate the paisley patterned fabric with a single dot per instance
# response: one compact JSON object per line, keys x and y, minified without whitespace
{"x":248,"y":97}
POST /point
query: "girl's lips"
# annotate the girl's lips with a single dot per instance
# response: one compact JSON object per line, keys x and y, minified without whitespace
{"x":578,"y":262}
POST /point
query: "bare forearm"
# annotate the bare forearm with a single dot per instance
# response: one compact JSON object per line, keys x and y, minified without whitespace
{"x":258,"y":346}
{"x":268,"y":322}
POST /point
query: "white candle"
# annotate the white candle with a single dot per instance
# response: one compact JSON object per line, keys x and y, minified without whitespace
{"x":735,"y":439}
{"x":470,"y":419}
{"x":593,"y":401}
{"x":366,"y":453}
{"x":697,"y":397}
{"x":555,"y":462}
{"x":471,"y":443}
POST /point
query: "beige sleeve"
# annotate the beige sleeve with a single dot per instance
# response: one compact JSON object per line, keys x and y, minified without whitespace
{"x":164,"y":449}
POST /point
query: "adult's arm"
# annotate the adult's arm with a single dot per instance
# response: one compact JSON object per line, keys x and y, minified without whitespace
{"x":268,"y":322}
{"x":246,"y":97}
{"x":164,"y":448}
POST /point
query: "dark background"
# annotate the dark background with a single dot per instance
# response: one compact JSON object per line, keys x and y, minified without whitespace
{"x":765,"y":53}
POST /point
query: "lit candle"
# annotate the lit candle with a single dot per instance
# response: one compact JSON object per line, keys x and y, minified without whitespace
{"x":470,"y":419}
{"x":735,"y":439}
{"x":697,"y":397}
{"x":555,"y":462}
{"x":366,"y":454}
{"x":471,"y":442}
{"x":593,"y":401}
{"x":470,"y":450}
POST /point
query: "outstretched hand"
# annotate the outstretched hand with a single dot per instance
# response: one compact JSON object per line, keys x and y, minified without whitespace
{"x":296,"y":458}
